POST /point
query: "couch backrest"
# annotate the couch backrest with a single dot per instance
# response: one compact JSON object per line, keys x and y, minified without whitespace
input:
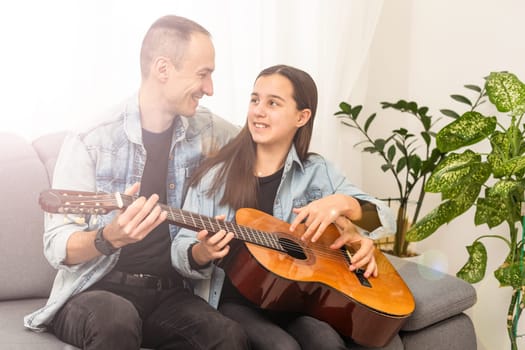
{"x":24,"y":272}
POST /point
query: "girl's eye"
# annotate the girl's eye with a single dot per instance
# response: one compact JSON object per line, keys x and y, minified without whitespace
{"x":273,"y":103}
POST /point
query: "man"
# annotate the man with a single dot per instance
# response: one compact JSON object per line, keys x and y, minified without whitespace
{"x":116,"y":287}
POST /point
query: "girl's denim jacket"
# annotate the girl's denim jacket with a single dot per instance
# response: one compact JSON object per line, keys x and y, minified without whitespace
{"x":110,"y":157}
{"x":301,"y":183}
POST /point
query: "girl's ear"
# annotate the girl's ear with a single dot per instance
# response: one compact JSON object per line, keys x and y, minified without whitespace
{"x":303,"y":117}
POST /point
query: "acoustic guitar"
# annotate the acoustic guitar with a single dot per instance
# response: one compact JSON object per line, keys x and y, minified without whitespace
{"x":276,"y":270}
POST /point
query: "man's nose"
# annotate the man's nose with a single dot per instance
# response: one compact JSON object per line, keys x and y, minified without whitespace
{"x":207,"y":86}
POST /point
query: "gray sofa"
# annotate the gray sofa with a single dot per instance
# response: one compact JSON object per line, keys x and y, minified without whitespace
{"x":439,"y":321}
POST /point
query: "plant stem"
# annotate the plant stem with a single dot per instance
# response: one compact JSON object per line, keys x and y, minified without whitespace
{"x":511,"y":320}
{"x":399,"y":239}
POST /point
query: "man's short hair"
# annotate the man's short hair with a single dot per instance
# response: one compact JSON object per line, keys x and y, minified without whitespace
{"x":168,"y":36}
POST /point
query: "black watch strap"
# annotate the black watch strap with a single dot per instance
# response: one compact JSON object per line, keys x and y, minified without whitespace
{"x":102,"y":244}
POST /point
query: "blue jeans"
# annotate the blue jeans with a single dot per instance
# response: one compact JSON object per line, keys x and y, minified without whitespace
{"x":115,"y":316}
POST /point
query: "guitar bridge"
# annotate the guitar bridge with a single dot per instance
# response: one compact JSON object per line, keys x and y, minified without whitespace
{"x":362,"y":279}
{"x":359,"y":273}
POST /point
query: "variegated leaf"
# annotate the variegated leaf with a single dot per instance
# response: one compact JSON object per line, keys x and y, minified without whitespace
{"x":499,"y":204}
{"x":468,"y":129}
{"x":456,"y":172}
{"x":474,"y":270}
{"x":506,"y":92}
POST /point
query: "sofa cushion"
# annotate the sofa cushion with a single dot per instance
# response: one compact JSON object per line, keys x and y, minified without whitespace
{"x":25,"y":272}
{"x":454,"y":333}
{"x":13,"y":335}
{"x":47,"y":147}
{"x":438,"y":295}
{"x":395,"y":344}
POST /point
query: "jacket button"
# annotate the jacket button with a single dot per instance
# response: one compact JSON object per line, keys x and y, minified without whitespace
{"x":172,"y":186}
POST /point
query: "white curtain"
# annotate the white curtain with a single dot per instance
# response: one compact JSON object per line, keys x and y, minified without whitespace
{"x":64,"y":62}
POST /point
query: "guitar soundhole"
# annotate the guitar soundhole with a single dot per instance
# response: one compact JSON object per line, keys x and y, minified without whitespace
{"x":292,"y":248}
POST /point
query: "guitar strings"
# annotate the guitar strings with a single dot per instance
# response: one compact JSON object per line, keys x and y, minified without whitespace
{"x":312,"y":247}
{"x":319,"y":249}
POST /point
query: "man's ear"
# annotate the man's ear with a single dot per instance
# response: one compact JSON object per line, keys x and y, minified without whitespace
{"x":303,"y":117}
{"x":160,"y":68}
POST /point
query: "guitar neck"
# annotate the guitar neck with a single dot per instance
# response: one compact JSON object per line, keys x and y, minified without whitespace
{"x":91,"y":203}
{"x":197,"y":222}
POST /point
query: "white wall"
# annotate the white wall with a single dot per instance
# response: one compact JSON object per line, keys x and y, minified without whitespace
{"x":425,"y":51}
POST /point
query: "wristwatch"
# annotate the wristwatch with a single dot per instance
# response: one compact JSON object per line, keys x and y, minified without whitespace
{"x":102,"y":244}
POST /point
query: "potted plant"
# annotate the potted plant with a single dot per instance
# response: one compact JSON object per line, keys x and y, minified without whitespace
{"x":402,"y":157}
{"x":492,"y":181}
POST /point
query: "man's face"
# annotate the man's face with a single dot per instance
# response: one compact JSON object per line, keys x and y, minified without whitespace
{"x":191,"y":80}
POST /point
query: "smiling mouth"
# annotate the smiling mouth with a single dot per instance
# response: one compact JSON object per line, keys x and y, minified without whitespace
{"x":260,"y":126}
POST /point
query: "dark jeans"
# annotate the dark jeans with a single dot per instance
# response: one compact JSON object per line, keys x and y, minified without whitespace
{"x":112,"y":316}
{"x":282,"y":331}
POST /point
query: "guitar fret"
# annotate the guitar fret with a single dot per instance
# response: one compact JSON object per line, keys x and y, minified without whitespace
{"x":252,"y":237}
{"x":228,"y":226}
{"x":193,"y":220}
{"x":266,"y":240}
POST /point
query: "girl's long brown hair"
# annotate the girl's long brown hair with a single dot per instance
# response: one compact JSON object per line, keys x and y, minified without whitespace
{"x":236,"y":160}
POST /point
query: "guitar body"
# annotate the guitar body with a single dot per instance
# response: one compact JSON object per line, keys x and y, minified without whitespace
{"x":314,"y":282}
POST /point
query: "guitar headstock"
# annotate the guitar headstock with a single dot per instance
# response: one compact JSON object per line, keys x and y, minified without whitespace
{"x":78,"y":202}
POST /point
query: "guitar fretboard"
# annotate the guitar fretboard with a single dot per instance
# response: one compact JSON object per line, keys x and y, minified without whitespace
{"x":198,"y":222}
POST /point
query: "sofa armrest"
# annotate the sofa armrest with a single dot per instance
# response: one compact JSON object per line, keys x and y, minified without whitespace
{"x":438,"y":295}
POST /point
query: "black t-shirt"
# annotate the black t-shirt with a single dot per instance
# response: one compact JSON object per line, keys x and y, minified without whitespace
{"x":268,"y":186}
{"x":152,"y":255}
{"x":266,"y":192}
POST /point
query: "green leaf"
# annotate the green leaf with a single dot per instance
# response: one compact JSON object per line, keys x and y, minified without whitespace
{"x":473,"y":87}
{"x":426,"y":136}
{"x":514,"y":166}
{"x":422,"y":111}
{"x":500,"y":203}
{"x":391,"y":153}
{"x":348,"y":124}
{"x":431,"y":222}
{"x":449,"y":113}
{"x":386,"y":167}
{"x":461,"y":99}
{"x":431,"y":162}
{"x":370,"y":149}
{"x":456,"y":172}
{"x":506,"y":92}
{"x":345,"y":108}
{"x":369,"y":122}
{"x":355,"y":111}
{"x":401,"y":163}
{"x":474,"y":270}
{"x":469,"y":129}
{"x":380,"y":144}
{"x":509,"y":274}
{"x":414,"y":162}
{"x":402,"y":106}
{"x":443,"y":214}
{"x":426,"y":121}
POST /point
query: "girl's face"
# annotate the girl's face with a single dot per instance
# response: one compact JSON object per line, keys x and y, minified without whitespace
{"x":273,"y":117}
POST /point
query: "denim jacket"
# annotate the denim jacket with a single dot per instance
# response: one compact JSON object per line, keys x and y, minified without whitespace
{"x":110,"y":157}
{"x":301,"y":183}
